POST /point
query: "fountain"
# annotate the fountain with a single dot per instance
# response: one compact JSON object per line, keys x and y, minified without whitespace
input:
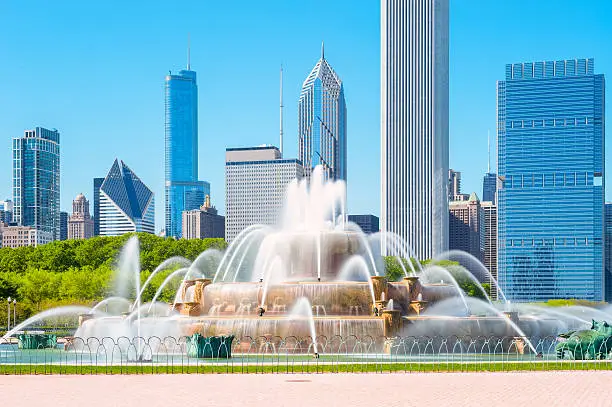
{"x":315,"y":267}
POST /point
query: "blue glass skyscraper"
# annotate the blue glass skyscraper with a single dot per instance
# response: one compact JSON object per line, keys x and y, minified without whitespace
{"x":183,"y":190}
{"x":551,"y":167}
{"x":36,"y":182}
{"x":489,"y":186}
{"x":322,"y":122}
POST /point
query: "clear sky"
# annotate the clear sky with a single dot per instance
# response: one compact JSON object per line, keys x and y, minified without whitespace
{"x":95,"y":71}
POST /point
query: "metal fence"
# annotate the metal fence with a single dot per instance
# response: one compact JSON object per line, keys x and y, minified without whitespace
{"x":299,"y":355}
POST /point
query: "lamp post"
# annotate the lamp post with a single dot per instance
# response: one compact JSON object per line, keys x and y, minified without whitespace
{"x":8,"y":314}
{"x":14,"y":311}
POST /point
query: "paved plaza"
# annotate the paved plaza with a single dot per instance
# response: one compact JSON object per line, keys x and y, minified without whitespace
{"x":312,"y":390}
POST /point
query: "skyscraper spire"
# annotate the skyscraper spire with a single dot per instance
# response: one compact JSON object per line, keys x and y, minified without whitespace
{"x":281,"y":111}
{"x":322,"y":49}
{"x":188,"y":52}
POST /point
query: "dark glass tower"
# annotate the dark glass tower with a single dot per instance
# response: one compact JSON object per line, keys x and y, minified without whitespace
{"x":36,"y":182}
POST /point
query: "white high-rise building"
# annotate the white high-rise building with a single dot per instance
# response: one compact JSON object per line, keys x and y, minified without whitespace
{"x":414,"y":123}
{"x":255,"y":182}
{"x":126,"y":203}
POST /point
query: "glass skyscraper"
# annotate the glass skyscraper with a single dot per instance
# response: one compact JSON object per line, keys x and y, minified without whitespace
{"x":183,"y":190}
{"x":322,"y":122}
{"x":489,"y":186}
{"x":551,"y":167}
{"x":36,"y":182}
{"x":414,"y":123}
{"x":608,"y":251}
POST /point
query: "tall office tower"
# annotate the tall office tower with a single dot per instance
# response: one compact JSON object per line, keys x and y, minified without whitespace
{"x":466,"y":227}
{"x":368,"y":223}
{"x":203,"y":223}
{"x":454,"y":184}
{"x":551,"y":164}
{"x":183,"y":190}
{"x":490,"y":243}
{"x":126,"y":203}
{"x":608,"y":252}
{"x":322,"y":122}
{"x":255,"y":183}
{"x":414,"y":123}
{"x":96,"y":194}
{"x":80,"y":225}
{"x":63,"y":226}
{"x":6,"y":211}
{"x":36,"y":182}
{"x":489,"y":187}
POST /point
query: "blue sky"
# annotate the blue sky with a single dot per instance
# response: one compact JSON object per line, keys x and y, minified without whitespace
{"x":95,"y":71}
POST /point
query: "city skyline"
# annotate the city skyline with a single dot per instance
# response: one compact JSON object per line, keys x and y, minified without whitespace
{"x":106,"y":126}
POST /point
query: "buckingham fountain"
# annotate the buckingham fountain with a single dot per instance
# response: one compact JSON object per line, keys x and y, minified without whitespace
{"x":314,"y":275}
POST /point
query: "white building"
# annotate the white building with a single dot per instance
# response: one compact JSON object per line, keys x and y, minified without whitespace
{"x":255,"y":183}
{"x":414,"y":123}
{"x":126,"y":203}
{"x":20,"y":236}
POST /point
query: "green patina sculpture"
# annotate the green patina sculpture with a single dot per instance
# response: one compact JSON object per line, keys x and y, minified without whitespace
{"x":210,"y":347}
{"x":594,"y":343}
{"x":37,"y":341}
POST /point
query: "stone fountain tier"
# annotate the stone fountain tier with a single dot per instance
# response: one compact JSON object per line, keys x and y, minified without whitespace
{"x":313,"y":255}
{"x":285,"y":326}
{"x":327,"y":298}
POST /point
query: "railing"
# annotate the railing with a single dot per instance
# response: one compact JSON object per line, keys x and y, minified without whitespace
{"x":299,"y":355}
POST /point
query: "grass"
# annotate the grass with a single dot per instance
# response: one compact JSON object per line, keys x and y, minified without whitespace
{"x":311,"y":367}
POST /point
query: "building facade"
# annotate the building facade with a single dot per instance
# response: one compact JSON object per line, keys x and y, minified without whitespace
{"x":80,"y":225}
{"x":551,"y":167}
{"x":126,"y":203}
{"x":466,"y":226}
{"x":183,"y":190}
{"x":255,"y":183}
{"x":97,"y":183}
{"x":20,"y":236}
{"x":203,"y":223}
{"x":322,"y":122}
{"x":414,"y":123}
{"x":489,"y":187}
{"x":36,"y":182}
{"x":368,"y":223}
{"x":454,"y":184}
{"x":63,"y":226}
{"x":6,"y":211}
{"x":490,"y":244}
{"x":608,"y":252}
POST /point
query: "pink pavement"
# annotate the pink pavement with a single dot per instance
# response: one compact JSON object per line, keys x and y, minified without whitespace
{"x":518,"y":389}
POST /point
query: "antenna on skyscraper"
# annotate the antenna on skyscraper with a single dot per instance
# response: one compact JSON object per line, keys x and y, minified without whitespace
{"x":323,"y":49}
{"x":488,"y":152}
{"x":188,"y":51}
{"x":281,"y":111}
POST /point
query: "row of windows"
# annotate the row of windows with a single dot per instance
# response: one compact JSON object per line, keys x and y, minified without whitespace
{"x":557,"y":122}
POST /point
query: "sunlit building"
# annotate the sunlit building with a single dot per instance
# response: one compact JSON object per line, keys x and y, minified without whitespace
{"x":126,"y":203}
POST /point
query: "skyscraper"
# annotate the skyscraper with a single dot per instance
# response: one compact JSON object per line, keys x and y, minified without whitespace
{"x":322,"y":122}
{"x":490,"y":243}
{"x":96,"y":194}
{"x":608,"y":252}
{"x":63,"y":226}
{"x":489,"y":187}
{"x":414,"y":123}
{"x":6,"y":211}
{"x":183,"y":190}
{"x":80,"y":224}
{"x":551,"y":167}
{"x":126,"y":203}
{"x":255,"y":183}
{"x":368,"y":223}
{"x":36,"y":182}
{"x":454,"y":184}
{"x":466,"y":227}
